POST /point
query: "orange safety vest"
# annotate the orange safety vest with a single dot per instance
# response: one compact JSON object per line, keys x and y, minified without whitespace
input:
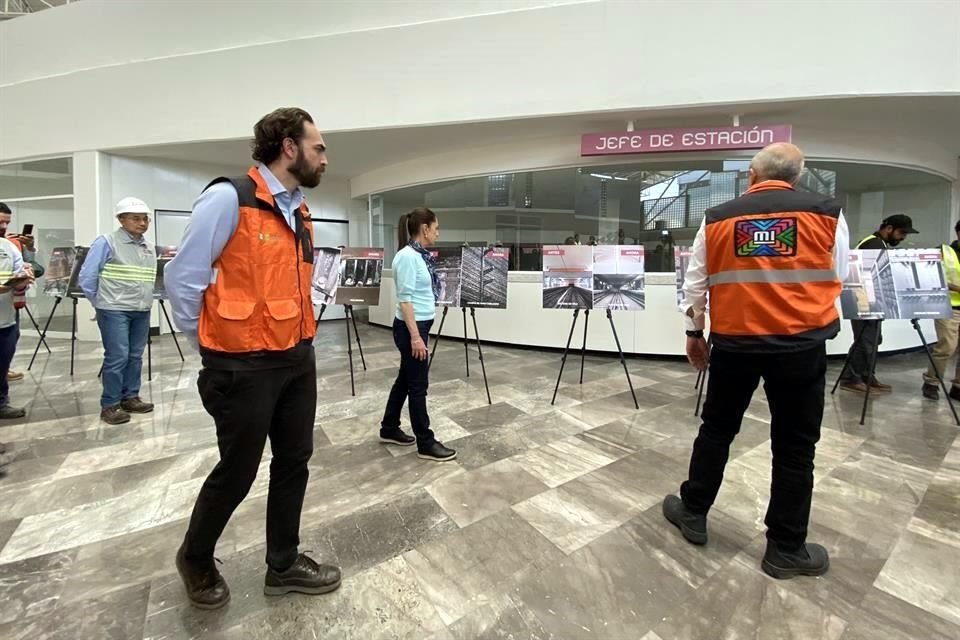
{"x":260,"y":299}
{"x":770,"y":266}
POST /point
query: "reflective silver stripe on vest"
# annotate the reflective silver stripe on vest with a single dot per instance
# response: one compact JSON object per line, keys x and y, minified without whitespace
{"x":772,"y":276}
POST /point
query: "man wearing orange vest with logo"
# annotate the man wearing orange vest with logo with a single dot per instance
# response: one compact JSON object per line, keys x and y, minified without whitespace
{"x":772,"y":261}
{"x":948,"y":330}
{"x":240,"y":290}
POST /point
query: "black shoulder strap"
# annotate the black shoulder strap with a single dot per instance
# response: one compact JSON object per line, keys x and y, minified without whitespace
{"x":245,"y":186}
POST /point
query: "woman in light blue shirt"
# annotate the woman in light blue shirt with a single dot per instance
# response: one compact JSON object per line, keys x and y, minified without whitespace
{"x":418,"y":288}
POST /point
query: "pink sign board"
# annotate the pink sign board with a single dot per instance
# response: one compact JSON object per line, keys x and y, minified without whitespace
{"x":686,"y":139}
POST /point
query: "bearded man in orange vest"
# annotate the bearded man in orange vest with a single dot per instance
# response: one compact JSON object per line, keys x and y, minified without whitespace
{"x":240,"y":290}
{"x":773,"y":261}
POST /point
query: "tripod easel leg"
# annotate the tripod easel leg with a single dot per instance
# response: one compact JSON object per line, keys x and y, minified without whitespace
{"x":436,"y":340}
{"x":846,"y":361}
{"x":696,"y":385}
{"x":563,"y":360}
{"x":466,"y":351}
{"x":623,"y":360}
{"x":702,"y":379}
{"x":583,"y":349}
{"x":43,"y":334}
{"x":873,"y":370}
{"x":356,"y":334}
{"x":73,"y":334}
{"x":346,"y":321}
{"x":933,"y":365}
{"x":323,"y":307}
{"x":483,"y":367}
{"x":149,"y":355}
{"x":173,"y":332}
{"x":33,"y":321}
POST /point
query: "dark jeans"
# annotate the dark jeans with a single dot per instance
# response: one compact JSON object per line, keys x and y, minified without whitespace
{"x":867,"y":336}
{"x":8,"y":346}
{"x":411,"y":382}
{"x":794,"y":384}
{"x":248,"y":406}
{"x":124,"y":335}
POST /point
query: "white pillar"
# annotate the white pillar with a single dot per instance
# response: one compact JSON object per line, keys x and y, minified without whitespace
{"x":91,"y":217}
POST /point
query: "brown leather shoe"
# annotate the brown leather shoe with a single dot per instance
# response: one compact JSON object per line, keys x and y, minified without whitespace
{"x":205,"y":587}
{"x":114,"y":415}
{"x":878,"y":387}
{"x":136,"y":405}
{"x":13,"y":376}
{"x":858,"y":387}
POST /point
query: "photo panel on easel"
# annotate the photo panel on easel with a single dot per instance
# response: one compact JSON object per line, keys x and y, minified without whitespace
{"x":73,"y":288}
{"x":895,"y":284}
{"x":446,"y":262}
{"x":361,"y":269}
{"x":567,"y":277}
{"x":164,"y":255}
{"x":326,"y":275}
{"x":56,"y":279}
{"x":618,"y":278}
{"x":483,"y":277}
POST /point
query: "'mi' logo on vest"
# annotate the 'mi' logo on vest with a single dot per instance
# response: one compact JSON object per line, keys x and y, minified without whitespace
{"x":775,"y":237}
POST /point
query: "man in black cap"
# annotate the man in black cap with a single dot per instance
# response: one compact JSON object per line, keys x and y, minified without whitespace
{"x":867,"y":335}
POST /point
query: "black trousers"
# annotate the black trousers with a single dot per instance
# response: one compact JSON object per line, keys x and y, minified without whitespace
{"x":412,"y":382}
{"x":794,"y":384}
{"x":867,"y":336}
{"x":248,"y":406}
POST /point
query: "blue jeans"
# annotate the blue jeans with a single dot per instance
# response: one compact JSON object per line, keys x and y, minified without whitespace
{"x":8,"y":346}
{"x":412,"y":383}
{"x":124,"y":335}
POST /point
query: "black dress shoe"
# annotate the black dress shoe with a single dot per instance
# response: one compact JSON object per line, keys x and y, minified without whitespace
{"x":930,"y":391}
{"x":305,"y":575}
{"x":396,"y":436}
{"x":205,"y":587}
{"x":808,"y":560}
{"x":955,"y":392}
{"x":437,"y":452}
{"x":693,"y":526}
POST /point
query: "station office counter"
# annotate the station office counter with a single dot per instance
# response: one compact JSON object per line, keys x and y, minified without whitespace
{"x":657,"y":330}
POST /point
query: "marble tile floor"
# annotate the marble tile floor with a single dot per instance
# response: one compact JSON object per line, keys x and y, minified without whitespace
{"x":548,"y":525}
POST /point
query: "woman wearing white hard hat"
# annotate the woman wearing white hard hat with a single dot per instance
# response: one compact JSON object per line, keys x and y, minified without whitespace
{"x":117,"y":277}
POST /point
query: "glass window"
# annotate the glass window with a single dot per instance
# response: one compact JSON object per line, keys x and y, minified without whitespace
{"x":37,"y":178}
{"x":658,"y":206}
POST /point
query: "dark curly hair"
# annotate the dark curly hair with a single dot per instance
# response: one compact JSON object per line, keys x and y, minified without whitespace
{"x":273,"y":128}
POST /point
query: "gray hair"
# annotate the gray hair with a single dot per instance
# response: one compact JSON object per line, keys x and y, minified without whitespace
{"x":780,"y":161}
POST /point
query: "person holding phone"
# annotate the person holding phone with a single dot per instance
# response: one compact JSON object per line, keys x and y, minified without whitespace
{"x":418,"y":289}
{"x":14,"y":275}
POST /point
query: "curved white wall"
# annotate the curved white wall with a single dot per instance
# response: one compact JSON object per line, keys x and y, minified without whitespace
{"x":142,"y":73}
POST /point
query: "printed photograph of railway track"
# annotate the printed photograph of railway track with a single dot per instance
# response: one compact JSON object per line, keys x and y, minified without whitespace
{"x":618,"y":278}
{"x":567,"y":277}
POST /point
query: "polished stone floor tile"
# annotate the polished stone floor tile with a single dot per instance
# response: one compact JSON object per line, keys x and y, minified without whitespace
{"x":548,"y":525}
{"x":478,"y":493}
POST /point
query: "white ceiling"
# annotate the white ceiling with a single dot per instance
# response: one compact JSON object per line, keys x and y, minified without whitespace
{"x":352,"y":153}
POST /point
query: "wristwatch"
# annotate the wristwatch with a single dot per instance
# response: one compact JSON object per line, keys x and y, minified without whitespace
{"x":695,"y":334}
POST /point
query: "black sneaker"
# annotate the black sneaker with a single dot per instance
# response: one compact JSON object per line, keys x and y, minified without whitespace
{"x":11,"y":413}
{"x":304,"y":576}
{"x":396,"y":436}
{"x":693,"y":526}
{"x":930,"y":391}
{"x":437,"y":452}
{"x":114,"y":415}
{"x":809,"y":560}
{"x":206,"y":588}
{"x":955,"y":393}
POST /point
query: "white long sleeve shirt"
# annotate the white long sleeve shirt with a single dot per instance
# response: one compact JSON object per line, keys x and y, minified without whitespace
{"x":696,"y":282}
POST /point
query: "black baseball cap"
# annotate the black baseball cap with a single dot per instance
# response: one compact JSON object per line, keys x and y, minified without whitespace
{"x":899,"y":222}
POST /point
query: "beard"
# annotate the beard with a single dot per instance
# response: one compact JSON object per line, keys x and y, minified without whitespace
{"x":306,"y":175}
{"x":893,"y":242}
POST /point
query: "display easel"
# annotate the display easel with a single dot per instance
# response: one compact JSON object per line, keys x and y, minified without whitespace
{"x":349,"y":318}
{"x":873,"y":368}
{"x":173,"y":334}
{"x":583,"y":351}
{"x":466,"y":350}
{"x":73,"y":330}
{"x":35,"y":326}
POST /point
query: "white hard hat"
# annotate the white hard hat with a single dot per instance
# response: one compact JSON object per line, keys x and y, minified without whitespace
{"x":131,"y":205}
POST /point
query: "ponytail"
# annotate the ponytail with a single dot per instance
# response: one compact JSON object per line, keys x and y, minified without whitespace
{"x":408,"y":226}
